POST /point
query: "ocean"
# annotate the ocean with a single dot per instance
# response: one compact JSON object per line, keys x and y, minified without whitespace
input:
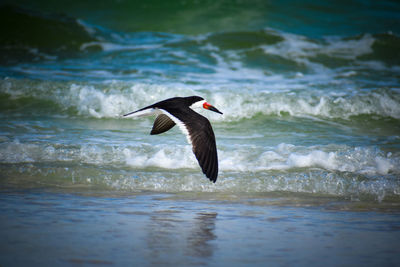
{"x":308,"y":143}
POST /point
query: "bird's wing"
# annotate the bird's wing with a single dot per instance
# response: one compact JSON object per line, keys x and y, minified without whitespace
{"x":162,"y":124}
{"x":204,"y":148}
{"x":142,"y":112}
{"x":201,"y":136}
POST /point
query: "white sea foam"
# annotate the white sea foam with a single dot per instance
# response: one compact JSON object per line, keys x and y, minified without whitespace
{"x":112,"y":99}
{"x":110,"y":47}
{"x":238,"y":106}
{"x":342,"y":171}
{"x":303,"y":50}
{"x":114,"y":103}
{"x":166,"y":157}
{"x":284,"y":157}
{"x":315,"y":158}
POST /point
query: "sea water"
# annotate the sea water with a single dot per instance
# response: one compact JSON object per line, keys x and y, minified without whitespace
{"x":308,"y":145}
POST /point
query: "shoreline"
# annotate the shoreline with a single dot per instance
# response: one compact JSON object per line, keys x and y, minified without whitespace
{"x":189,"y":229}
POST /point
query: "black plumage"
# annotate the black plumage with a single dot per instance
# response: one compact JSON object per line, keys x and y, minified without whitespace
{"x":200,"y":132}
{"x":162,"y":124}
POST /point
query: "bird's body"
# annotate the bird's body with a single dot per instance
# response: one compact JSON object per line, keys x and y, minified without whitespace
{"x":197,"y":128}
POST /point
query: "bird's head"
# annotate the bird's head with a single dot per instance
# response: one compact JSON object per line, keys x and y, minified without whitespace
{"x":199,"y":102}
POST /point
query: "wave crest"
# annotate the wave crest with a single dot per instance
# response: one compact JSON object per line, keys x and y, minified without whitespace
{"x":112,"y":99}
{"x":346,"y":172}
{"x":284,"y":157}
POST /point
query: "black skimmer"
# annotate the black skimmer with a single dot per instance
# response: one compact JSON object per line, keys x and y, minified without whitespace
{"x":197,"y":128}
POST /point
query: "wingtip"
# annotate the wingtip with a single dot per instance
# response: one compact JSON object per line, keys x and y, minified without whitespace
{"x":127,"y":114}
{"x":213,"y":179}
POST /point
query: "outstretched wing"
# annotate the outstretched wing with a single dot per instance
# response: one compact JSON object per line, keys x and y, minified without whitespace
{"x":197,"y":129}
{"x":204,"y":147}
{"x":201,"y":136}
{"x":162,"y":124}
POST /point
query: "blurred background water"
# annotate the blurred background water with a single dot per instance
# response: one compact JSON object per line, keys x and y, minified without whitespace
{"x":310,"y":95}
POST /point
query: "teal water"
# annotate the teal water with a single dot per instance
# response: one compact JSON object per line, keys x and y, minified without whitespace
{"x":311,"y":100}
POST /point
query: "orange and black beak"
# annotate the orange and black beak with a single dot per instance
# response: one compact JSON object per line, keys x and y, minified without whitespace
{"x":211,"y":107}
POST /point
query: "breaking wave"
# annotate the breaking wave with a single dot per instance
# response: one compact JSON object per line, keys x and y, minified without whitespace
{"x":358,"y":160}
{"x":342,"y":171}
{"x":110,"y":100}
{"x":303,"y":112}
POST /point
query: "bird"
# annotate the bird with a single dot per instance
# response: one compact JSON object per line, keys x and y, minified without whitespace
{"x":197,"y":128}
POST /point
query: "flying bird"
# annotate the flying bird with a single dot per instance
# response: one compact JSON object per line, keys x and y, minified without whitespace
{"x":197,"y":128}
